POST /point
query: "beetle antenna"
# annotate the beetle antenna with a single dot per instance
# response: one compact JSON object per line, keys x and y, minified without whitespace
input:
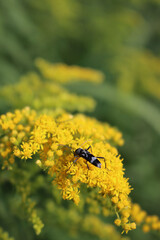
{"x":66,"y":146}
{"x":85,"y":142}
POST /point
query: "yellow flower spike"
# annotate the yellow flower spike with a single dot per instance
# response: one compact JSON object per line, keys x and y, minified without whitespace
{"x":93,"y":224}
{"x":64,"y":73}
{"x":140,"y":216}
{"x":54,"y":144}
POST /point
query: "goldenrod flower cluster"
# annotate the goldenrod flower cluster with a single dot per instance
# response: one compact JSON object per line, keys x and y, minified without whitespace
{"x":140,"y":69}
{"x":147,"y":222}
{"x":32,"y":91}
{"x":87,"y":223}
{"x":15,"y":127}
{"x":63,"y":73}
{"x":96,"y":227}
{"x":29,"y":206}
{"x":53,"y":141}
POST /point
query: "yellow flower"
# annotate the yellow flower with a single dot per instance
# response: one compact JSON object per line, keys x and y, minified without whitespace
{"x":17,"y":152}
{"x":39,"y":136}
{"x":117,"y":222}
{"x":146,"y":228}
{"x":26,"y":150}
{"x":53,"y":143}
{"x":114,"y":199}
{"x":63,"y":139}
{"x":64,"y":73}
{"x":141,"y":218}
{"x":49,"y":95}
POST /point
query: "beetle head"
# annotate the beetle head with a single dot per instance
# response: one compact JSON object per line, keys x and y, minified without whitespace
{"x":77,"y":152}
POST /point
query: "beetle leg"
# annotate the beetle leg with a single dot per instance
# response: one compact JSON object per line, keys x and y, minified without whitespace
{"x":87,"y":167}
{"x":72,"y":163}
{"x":75,"y":160}
{"x":89,"y":148}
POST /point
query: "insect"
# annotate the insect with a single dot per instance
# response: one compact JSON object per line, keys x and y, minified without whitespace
{"x":84,"y":153}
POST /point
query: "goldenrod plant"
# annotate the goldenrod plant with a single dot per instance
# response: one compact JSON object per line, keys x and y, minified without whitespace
{"x":138,"y":72}
{"x":53,"y":141}
{"x":60,"y":60}
{"x":50,"y":143}
{"x":63,"y":73}
{"x":40,"y":93}
{"x":47,"y":140}
{"x":147,"y":222}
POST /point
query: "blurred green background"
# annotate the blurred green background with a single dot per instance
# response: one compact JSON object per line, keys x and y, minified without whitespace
{"x":122,"y":39}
